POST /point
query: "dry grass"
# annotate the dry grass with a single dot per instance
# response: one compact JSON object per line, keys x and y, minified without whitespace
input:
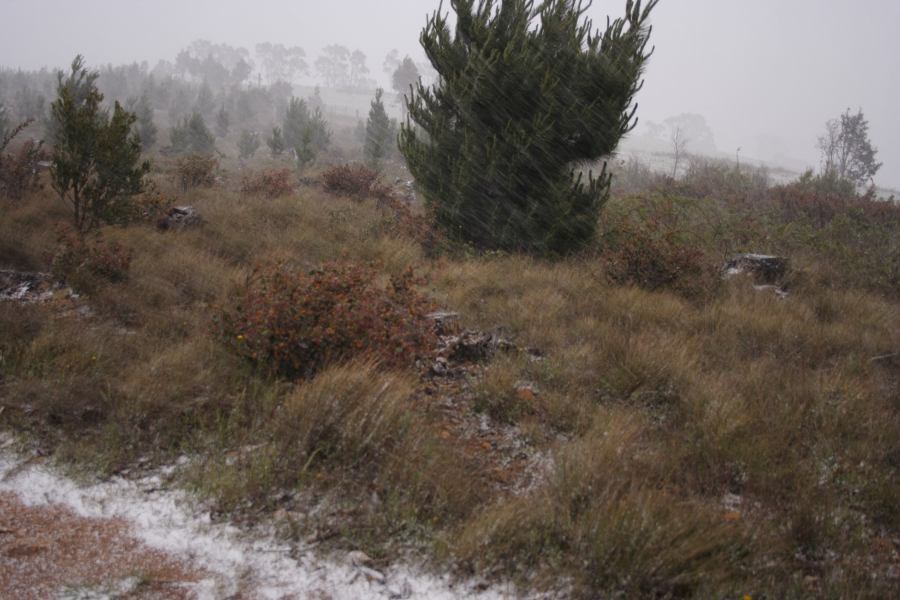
{"x":715,"y":445}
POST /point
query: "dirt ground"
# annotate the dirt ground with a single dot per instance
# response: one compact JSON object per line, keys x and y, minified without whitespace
{"x":50,"y":552}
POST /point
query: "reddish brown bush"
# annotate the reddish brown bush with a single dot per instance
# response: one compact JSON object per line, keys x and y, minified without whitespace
{"x":19,"y":170}
{"x":354,"y":180}
{"x":802,"y":202}
{"x":292,"y":323}
{"x":653,"y":255}
{"x":271,"y":183}
{"x":78,"y":261}
{"x":402,"y":221}
{"x":196,"y":170}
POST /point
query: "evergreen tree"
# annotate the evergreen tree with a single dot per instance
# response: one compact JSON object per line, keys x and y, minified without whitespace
{"x":248,"y":144}
{"x":276,"y":142}
{"x":206,"y":102}
{"x":304,"y":132}
{"x":96,"y":158}
{"x":4,"y":122}
{"x":526,"y":96}
{"x":380,"y":133}
{"x":223,"y":122}
{"x":146,"y":128}
{"x":192,"y":135}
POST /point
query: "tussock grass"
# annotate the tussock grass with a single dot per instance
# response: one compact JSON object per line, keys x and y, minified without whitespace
{"x":703,"y":445}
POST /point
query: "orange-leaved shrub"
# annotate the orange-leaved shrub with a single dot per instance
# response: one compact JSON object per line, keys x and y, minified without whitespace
{"x":353,"y":180}
{"x":292,"y":323}
{"x":79,"y":260}
{"x":271,"y":183}
{"x":654,"y":255}
{"x":196,"y":170}
{"x":422,"y":228}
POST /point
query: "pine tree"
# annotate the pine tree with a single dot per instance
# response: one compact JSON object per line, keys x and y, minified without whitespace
{"x":223,"y":122}
{"x":380,"y":133}
{"x":304,"y":132}
{"x":526,"y":96}
{"x":248,"y":144}
{"x":4,"y":122}
{"x":96,"y":158}
{"x":276,"y":142}
{"x":192,"y":135}
{"x":146,"y":128}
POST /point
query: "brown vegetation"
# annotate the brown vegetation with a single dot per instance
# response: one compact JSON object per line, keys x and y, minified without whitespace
{"x":703,"y":438}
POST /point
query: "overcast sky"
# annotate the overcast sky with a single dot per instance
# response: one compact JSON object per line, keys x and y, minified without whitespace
{"x":766,"y":74}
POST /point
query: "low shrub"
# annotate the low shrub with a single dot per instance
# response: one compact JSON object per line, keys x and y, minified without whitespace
{"x":817,"y":201}
{"x":401,"y":220}
{"x":196,"y":170}
{"x":19,"y":169}
{"x":271,"y":183}
{"x":653,"y":255}
{"x":80,"y":261}
{"x":353,"y":180}
{"x":292,"y":323}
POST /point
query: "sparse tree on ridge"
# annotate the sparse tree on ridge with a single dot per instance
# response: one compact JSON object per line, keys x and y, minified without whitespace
{"x":679,"y":144}
{"x":333,"y":66}
{"x":847,"y":152}
{"x":281,"y":63}
{"x":526,"y":95}
{"x":404,"y":77}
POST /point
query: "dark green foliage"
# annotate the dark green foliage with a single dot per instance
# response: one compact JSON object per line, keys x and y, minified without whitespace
{"x":205,"y":101}
{"x":380,"y":134}
{"x":192,"y":136}
{"x":305,"y":132}
{"x":96,"y":159}
{"x":276,"y":143}
{"x":248,"y":144}
{"x":526,"y":95}
{"x":146,"y":128}
{"x":4,"y":122}
{"x":223,"y":122}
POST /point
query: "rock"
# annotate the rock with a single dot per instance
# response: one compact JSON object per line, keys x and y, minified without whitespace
{"x":780,"y":292}
{"x":401,"y":592}
{"x":475,"y":346}
{"x":526,"y":392}
{"x":445,"y":322}
{"x":180,"y":217}
{"x":766,"y":270}
{"x":25,"y":287}
{"x":373,"y":575}
{"x":440,"y":367}
{"x":358,"y":558}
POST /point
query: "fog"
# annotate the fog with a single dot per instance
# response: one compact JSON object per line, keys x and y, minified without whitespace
{"x":766,"y":75}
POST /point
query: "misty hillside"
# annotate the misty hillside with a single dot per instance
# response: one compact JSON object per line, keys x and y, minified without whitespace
{"x":506,"y":300}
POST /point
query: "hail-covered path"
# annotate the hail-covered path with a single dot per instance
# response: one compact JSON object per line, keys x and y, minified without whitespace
{"x":140,"y":539}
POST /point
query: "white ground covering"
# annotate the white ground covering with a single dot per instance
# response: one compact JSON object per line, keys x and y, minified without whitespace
{"x":236,"y":560}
